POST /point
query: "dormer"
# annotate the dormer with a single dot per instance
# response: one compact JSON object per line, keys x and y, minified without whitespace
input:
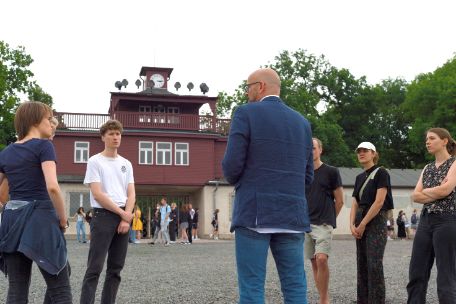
{"x":156,"y":78}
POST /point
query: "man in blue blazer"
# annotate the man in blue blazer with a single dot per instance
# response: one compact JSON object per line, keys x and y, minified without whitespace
{"x":269,"y":160}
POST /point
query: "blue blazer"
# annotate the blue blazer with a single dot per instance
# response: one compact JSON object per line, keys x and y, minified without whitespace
{"x":269,"y":160}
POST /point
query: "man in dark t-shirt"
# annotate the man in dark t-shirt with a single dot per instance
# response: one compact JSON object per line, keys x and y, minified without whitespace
{"x":325,"y":200}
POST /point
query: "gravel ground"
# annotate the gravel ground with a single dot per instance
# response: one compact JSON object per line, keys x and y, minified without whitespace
{"x":205,"y":273}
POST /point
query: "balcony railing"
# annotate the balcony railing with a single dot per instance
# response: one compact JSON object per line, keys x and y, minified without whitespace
{"x":129,"y":120}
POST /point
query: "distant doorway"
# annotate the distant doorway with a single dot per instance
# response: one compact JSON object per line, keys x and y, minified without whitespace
{"x":148,"y":204}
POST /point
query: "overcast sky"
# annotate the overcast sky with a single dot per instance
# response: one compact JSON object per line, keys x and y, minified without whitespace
{"x":80,"y":48}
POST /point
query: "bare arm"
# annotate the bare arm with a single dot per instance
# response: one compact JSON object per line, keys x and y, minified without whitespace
{"x":4,"y":189}
{"x":107,"y":203}
{"x":445,"y":188}
{"x":338,"y":199}
{"x":418,"y":196}
{"x":124,"y":225}
{"x":53,"y":188}
{"x":353,"y":217}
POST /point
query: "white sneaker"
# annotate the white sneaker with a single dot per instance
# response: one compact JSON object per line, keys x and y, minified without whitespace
{"x":216,"y":238}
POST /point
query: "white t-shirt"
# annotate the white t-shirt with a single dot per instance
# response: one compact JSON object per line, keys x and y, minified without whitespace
{"x":114,"y":174}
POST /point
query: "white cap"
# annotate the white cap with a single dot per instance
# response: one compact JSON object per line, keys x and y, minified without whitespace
{"x":366,"y":145}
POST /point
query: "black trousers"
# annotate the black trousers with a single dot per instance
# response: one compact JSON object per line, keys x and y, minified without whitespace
{"x":104,"y":241}
{"x":172,"y":231}
{"x":19,"y":273}
{"x":189,"y":231}
{"x":434,"y":240}
{"x":369,"y":257}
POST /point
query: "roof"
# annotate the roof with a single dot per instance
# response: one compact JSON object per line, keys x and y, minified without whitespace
{"x":161,"y":91}
{"x":400,"y":178}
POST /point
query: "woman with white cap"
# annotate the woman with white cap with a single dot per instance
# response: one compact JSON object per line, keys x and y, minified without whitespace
{"x":371,"y":199}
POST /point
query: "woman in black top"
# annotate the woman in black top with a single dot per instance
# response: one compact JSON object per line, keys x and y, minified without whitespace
{"x":371,"y":199}
{"x":435,"y":236}
{"x":401,"y":226}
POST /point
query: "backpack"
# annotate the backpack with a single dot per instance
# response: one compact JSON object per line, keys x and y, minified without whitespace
{"x":399,"y":221}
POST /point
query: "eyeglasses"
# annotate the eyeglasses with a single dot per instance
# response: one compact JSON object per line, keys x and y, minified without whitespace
{"x":247,"y":85}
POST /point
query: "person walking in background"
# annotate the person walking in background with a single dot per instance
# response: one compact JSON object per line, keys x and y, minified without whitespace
{"x":401,"y":225}
{"x":414,"y":219}
{"x":325,"y":198}
{"x":112,"y":196}
{"x":173,"y":218}
{"x":372,"y":198}
{"x":137,"y":224}
{"x":165,"y":211}
{"x":435,"y":236}
{"x":215,"y":225}
{"x":191,"y":214}
{"x":80,"y":225}
{"x":269,"y":160}
{"x":183,"y":224}
{"x":34,"y":218}
{"x":195,"y":224}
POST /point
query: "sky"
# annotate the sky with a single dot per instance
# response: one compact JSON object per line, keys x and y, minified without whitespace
{"x":81,"y":48}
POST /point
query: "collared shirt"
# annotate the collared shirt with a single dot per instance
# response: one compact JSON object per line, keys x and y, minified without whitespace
{"x":269,"y":96}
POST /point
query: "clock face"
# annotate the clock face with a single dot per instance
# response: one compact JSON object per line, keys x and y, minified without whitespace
{"x":159,"y":80}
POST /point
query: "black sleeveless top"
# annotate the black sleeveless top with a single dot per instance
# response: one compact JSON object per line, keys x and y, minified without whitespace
{"x":433,"y":177}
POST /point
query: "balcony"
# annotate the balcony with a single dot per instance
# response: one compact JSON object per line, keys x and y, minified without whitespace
{"x":129,"y":120}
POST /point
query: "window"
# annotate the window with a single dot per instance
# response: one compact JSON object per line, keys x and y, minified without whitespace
{"x":144,"y":109}
{"x":159,"y":114}
{"x":79,"y":199}
{"x":173,"y":119}
{"x":81,"y":152}
{"x":181,"y":154}
{"x":163,"y":156}
{"x":146,"y":149}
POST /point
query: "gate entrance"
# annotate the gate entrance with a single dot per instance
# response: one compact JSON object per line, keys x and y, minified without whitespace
{"x":148,"y":203}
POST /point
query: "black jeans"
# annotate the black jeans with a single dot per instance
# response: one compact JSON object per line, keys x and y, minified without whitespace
{"x":434,"y":239}
{"x":19,"y":274}
{"x":172,"y":231}
{"x":369,"y":257}
{"x":104,"y":241}
{"x":189,"y":231}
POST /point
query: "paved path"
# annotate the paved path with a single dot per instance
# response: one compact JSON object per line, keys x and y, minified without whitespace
{"x":205,"y":273}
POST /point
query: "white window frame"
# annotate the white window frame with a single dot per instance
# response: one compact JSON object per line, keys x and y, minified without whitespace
{"x":170,"y":150}
{"x":81,"y":161}
{"x":145,"y":150}
{"x":181,"y":151}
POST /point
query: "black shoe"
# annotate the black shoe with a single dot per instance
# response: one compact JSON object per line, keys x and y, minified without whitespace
{"x":152,"y":243}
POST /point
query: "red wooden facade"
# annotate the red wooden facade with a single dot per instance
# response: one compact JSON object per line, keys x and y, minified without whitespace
{"x":153,"y":116}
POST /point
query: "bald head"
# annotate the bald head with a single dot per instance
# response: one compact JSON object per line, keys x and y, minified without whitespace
{"x":268,"y":84}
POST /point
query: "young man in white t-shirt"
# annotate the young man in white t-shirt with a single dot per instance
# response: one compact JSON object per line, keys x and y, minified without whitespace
{"x":112,"y":196}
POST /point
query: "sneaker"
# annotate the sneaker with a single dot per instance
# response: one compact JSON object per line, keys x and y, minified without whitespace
{"x":166,"y":244}
{"x":137,"y":242}
{"x":152,"y":243}
{"x":215,"y":237}
{"x":172,"y":242}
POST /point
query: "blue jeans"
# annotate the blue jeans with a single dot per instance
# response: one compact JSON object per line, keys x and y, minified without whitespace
{"x":80,"y":229}
{"x":251,"y":257}
{"x":131,"y":236}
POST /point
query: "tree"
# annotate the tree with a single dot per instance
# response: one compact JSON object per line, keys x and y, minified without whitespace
{"x":36,"y":93}
{"x":15,"y":79}
{"x":430,"y":102}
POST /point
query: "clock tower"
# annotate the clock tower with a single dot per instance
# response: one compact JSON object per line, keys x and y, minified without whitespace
{"x":156,"y":78}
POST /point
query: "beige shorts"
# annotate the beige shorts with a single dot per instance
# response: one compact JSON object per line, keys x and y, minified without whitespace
{"x":318,"y":241}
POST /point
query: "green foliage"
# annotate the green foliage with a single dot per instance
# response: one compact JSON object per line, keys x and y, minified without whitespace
{"x":345,"y":110}
{"x":430,"y":102}
{"x":36,"y":93}
{"x":15,"y":79}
